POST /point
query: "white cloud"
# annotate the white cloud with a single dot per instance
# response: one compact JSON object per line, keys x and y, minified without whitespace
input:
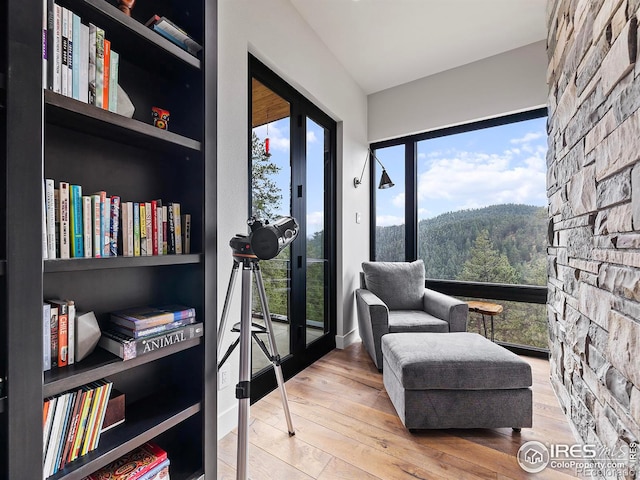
{"x":528,"y":137}
{"x":387,"y":220}
{"x":278,"y":140}
{"x":315,"y":222}
{"x":311,"y":137}
{"x":398,"y":200}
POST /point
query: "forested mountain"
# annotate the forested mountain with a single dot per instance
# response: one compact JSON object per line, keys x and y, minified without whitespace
{"x":447,"y":242}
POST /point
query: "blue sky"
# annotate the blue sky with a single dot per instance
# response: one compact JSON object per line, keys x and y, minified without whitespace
{"x":505,"y":164}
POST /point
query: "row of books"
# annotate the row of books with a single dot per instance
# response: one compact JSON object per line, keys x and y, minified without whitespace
{"x":72,"y":424}
{"x":147,"y":462}
{"x":173,"y":33}
{"x":137,"y":331}
{"x":97,"y":225}
{"x":77,"y":58}
{"x":59,"y":326}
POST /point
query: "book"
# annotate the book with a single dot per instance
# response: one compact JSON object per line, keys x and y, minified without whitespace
{"x":99,"y":66}
{"x":106,"y":226}
{"x":106,"y":74}
{"x":95,"y":418}
{"x":83,"y":65}
{"x":54,"y":335}
{"x":165,"y":230}
{"x":96,"y":220}
{"x":69,"y":14}
{"x":71,"y":332}
{"x":186,"y":233}
{"x":102,"y":408}
{"x":147,"y":332}
{"x":87,"y":225}
{"x":63,"y":332}
{"x":154,"y":227}
{"x":51,"y":218}
{"x":47,"y":44}
{"x":175,"y":34}
{"x":128,"y":348}
{"x":100,"y":221}
{"x":87,"y":398}
{"x":113,"y":81}
{"x":127,"y":229}
{"x":159,"y":226}
{"x":171,"y":232}
{"x":54,"y":436}
{"x":159,"y":472}
{"x":93,"y":30}
{"x":72,"y":428}
{"x":177,"y":227}
{"x":75,"y":56}
{"x":46,"y":337}
{"x":63,"y":200}
{"x":138,"y":462}
{"x":57,"y":49}
{"x":141,"y":317}
{"x":115,"y":411}
{"x":76,"y":216}
{"x":136,"y":229}
{"x":49,"y":409}
{"x":114,"y":226}
{"x":64,"y":52}
{"x":43,"y":216}
{"x":143,"y":229}
{"x":148,"y":227}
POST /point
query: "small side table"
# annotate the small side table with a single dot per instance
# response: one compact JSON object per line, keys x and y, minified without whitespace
{"x":485,"y":308}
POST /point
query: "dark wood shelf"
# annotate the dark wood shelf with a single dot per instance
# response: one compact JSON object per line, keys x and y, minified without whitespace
{"x":144,"y":420}
{"x":102,"y":364}
{"x":84,"y":264}
{"x":80,"y":116}
{"x":128,"y":35}
{"x":3,"y":401}
{"x":3,"y":265}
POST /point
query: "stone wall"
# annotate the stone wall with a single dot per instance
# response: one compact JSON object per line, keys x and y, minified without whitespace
{"x":594,"y":216}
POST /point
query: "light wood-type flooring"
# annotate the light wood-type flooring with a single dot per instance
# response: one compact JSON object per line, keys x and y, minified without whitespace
{"x":347,"y":428}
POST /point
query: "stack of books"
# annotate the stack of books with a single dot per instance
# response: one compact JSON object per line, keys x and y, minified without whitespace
{"x":141,"y":330}
{"x":174,"y":34}
{"x":72,"y":424}
{"x":147,"y":462}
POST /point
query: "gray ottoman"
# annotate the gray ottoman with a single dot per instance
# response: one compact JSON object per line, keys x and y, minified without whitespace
{"x":455,"y":380}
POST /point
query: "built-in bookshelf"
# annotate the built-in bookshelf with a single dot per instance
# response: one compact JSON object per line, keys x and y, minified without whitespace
{"x":170,"y":393}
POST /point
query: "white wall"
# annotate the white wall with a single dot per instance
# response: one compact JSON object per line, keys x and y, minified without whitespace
{"x":275,"y":33}
{"x":506,"y":83}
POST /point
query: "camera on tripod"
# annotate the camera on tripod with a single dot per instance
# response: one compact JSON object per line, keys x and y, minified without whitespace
{"x":266,"y":240}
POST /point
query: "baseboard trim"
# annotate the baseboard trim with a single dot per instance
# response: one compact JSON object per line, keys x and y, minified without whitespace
{"x":343,"y":341}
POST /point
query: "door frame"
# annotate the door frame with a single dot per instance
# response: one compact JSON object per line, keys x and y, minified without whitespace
{"x":302,"y":355}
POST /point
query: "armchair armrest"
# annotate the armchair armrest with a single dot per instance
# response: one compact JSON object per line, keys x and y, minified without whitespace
{"x":448,"y":308}
{"x":373,"y":322}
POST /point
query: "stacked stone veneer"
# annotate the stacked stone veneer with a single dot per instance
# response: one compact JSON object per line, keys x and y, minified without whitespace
{"x":594,"y":216}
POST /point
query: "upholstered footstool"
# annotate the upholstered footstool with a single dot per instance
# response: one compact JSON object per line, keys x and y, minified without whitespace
{"x":455,"y":380}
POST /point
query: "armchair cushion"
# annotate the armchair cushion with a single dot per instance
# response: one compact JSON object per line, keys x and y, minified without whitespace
{"x":400,"y":285}
{"x":415,"y":321}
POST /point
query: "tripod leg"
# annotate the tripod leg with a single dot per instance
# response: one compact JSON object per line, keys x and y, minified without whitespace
{"x":243,"y":393}
{"x":227,"y":301}
{"x":274,"y":349}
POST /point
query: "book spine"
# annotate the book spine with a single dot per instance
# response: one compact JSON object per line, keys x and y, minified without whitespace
{"x":63,"y":334}
{"x":46,"y":337}
{"x":165,"y":230}
{"x":73,"y":427}
{"x":50,"y":52}
{"x":102,"y":409}
{"x":54,"y":437}
{"x":128,"y":349}
{"x":148,"y":227}
{"x":160,"y":223}
{"x":75,"y":56}
{"x":106,"y":227}
{"x":130,"y":228}
{"x":83,"y":77}
{"x":99,"y":66}
{"x":93,"y":30}
{"x":77,"y":232}
{"x":65,"y":241}
{"x":100,"y":220}
{"x":106,"y":74}
{"x":113,"y":81}
{"x":69,"y":53}
{"x":71,"y":332}
{"x":96,"y":224}
{"x":186,"y":234}
{"x":136,"y":229}
{"x":143,"y":229}
{"x":64,"y":70}
{"x":171,"y":232}
{"x":54,"y":336}
{"x":154,"y":227}
{"x":51,"y":218}
{"x":154,"y":473}
{"x":43,"y":222}
{"x":46,"y":434}
{"x":87,"y":397}
{"x":87,"y":225}
{"x":114,"y":225}
{"x":91,"y":423}
{"x":57,"y":49}
{"x":45,"y":28}
{"x":147,"y":332}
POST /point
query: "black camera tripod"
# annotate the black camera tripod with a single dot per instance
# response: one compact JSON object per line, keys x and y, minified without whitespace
{"x":247,"y":330}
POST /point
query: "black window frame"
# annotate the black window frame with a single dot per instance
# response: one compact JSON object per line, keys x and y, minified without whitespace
{"x":491,"y":291}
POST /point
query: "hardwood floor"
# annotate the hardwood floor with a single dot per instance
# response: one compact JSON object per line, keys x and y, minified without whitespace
{"x":347,"y":428}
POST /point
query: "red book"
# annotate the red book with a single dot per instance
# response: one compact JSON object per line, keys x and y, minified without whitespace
{"x":154,"y":226}
{"x":106,"y":72}
{"x":63,"y":332}
{"x":132,"y":465}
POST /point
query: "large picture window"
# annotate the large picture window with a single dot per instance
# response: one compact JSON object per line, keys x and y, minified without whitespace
{"x":477,"y":215}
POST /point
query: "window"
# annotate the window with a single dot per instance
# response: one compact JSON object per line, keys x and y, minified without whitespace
{"x":477,"y":215}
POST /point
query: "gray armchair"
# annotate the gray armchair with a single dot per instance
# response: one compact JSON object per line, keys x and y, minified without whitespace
{"x":392,"y":298}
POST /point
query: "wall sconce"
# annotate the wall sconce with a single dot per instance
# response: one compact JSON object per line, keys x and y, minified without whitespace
{"x":385,"y":181}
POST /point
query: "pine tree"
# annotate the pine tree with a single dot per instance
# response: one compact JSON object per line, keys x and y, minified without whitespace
{"x":265,"y":194}
{"x":486,"y":264}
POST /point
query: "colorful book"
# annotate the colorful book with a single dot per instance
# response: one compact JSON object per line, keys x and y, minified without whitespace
{"x":148,"y":227}
{"x":57,"y":49}
{"x":46,"y":337}
{"x":83,"y":65}
{"x":63,"y":332}
{"x":128,"y":348}
{"x":76,"y":216}
{"x":106,"y":74}
{"x":114,"y":226}
{"x":87,"y":398}
{"x":100,"y":222}
{"x":160,"y":224}
{"x":160,"y":472}
{"x":54,"y":335}
{"x":87,"y":225}
{"x":71,"y":332}
{"x":51,"y":217}
{"x":49,"y":409}
{"x":96,"y":221}
{"x":54,"y":436}
{"x":113,"y":81}
{"x":71,"y":428}
{"x":171,"y":230}
{"x":99,"y":67}
{"x":65,"y":238}
{"x":143,"y":229}
{"x":127,"y":229}
{"x":147,"y":332}
{"x":138,"y":462}
{"x":64,"y":52}
{"x":75,"y":56}
{"x":91,"y":77}
{"x":165,"y":230}
{"x":139,"y":318}
{"x":106,"y":226}
{"x":136,"y":229}
{"x":186,"y":233}
{"x":177,"y":226}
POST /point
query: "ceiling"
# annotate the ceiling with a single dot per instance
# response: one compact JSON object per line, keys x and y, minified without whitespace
{"x":384,"y":43}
